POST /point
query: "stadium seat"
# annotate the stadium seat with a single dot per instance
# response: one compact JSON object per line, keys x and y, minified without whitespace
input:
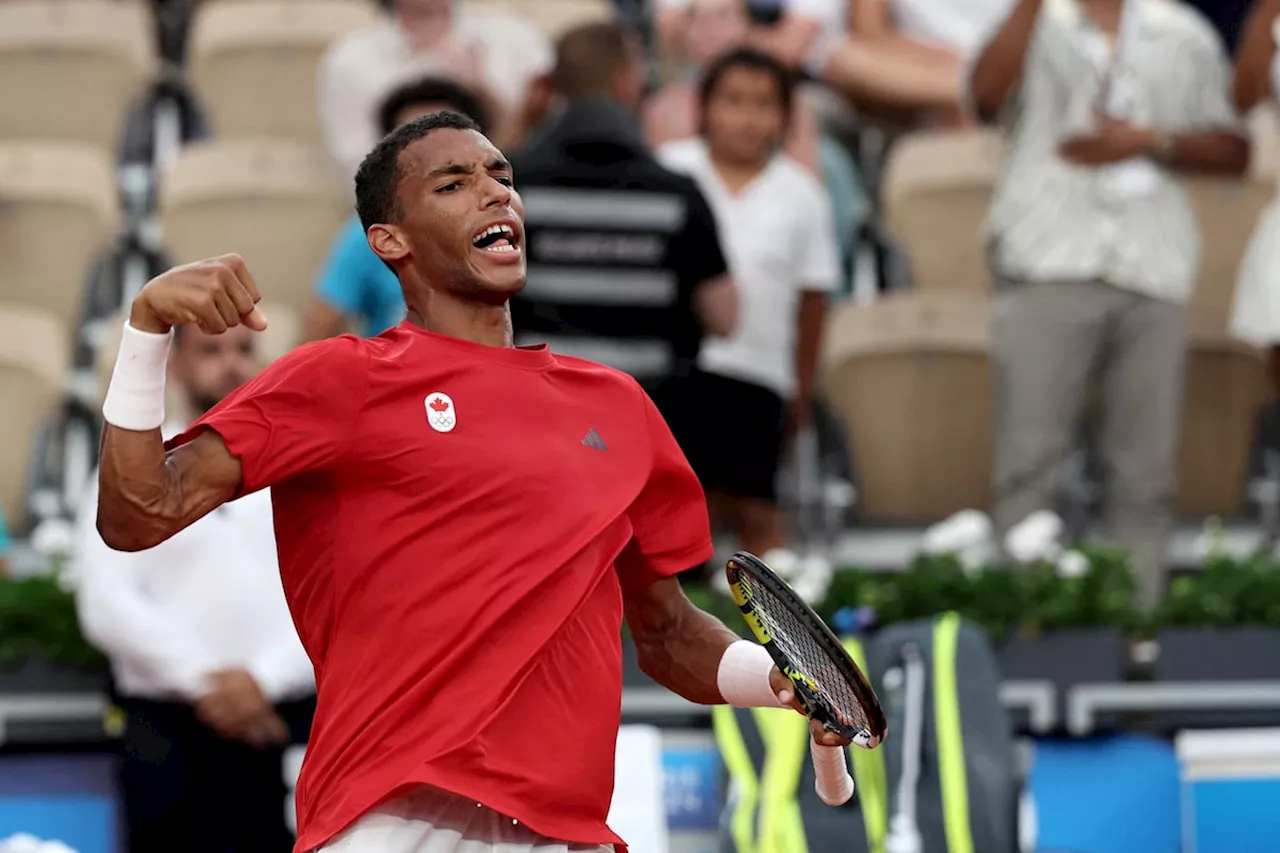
{"x":1226,"y":386}
{"x":60,"y":210}
{"x":278,"y":204}
{"x":553,"y":17}
{"x":253,"y":62}
{"x":908,"y":376}
{"x":33,"y":365}
{"x":69,"y":68}
{"x":937,"y":186}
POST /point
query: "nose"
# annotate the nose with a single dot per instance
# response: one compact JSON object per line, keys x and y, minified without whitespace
{"x":496,"y":193}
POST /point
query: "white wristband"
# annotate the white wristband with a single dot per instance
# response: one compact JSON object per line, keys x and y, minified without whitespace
{"x":743,"y":677}
{"x":135,"y":397}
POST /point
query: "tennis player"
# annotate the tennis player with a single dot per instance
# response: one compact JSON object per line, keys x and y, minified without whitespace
{"x":462,"y":525}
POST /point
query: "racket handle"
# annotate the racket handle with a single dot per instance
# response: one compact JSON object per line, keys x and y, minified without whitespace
{"x":831,"y":774}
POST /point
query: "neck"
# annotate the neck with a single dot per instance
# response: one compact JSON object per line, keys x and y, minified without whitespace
{"x":478,"y":322}
{"x":736,"y":173}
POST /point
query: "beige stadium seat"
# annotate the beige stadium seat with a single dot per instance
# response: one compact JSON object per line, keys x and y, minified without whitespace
{"x":253,"y":62}
{"x":1226,"y":386}
{"x":937,"y":187}
{"x":34,"y":361}
{"x":908,"y":377}
{"x":70,"y":68}
{"x":58,"y":210}
{"x":553,"y":17}
{"x":278,"y":204}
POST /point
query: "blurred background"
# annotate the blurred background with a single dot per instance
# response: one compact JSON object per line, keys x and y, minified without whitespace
{"x":1049,"y":541}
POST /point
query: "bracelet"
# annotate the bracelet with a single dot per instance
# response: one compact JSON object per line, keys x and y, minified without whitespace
{"x":743,"y":677}
{"x":135,"y":397}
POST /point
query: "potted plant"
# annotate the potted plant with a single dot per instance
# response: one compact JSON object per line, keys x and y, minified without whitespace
{"x":41,"y":647}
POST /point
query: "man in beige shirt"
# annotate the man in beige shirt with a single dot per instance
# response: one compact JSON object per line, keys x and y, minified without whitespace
{"x":500,"y":56}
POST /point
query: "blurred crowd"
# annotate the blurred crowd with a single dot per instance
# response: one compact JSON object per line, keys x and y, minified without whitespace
{"x":710,"y":192}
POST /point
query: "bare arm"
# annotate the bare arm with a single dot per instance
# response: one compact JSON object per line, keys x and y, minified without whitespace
{"x":1210,"y":152}
{"x":146,"y":495}
{"x":870,"y":20}
{"x":809,"y":323}
{"x":677,"y":645}
{"x":999,"y":67}
{"x":715,"y":303}
{"x":1253,"y":61}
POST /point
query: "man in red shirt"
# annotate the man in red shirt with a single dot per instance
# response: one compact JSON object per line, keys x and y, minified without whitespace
{"x":462,"y":525}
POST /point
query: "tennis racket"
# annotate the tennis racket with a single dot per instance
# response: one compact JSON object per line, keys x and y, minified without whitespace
{"x":828,"y":684}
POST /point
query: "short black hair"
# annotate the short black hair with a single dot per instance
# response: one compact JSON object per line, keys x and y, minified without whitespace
{"x":431,"y":90}
{"x":753,"y":60}
{"x":378,"y":177}
{"x":589,"y":56}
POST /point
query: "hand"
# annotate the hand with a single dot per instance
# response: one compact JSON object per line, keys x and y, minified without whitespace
{"x":786,"y":694}
{"x":1112,"y":142}
{"x":235,"y":707}
{"x":214,"y":295}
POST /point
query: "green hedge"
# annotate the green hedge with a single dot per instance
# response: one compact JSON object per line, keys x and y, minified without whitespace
{"x":37,"y":615}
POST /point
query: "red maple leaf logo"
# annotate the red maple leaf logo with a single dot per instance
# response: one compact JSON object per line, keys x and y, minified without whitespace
{"x":439,"y":405}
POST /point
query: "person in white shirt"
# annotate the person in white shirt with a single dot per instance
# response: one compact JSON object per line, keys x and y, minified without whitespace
{"x":208,"y":668}
{"x":754,"y":388}
{"x":1255,"y":316}
{"x":502,"y":57}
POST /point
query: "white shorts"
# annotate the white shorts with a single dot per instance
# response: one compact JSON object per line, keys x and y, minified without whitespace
{"x":428,"y":820}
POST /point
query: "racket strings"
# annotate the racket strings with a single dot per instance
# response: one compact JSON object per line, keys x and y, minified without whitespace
{"x":794,"y":640}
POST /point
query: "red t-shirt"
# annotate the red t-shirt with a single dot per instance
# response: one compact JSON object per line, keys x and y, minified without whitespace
{"x":455,"y":525}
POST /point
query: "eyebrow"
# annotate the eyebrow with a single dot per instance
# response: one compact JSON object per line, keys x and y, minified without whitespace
{"x":497,"y":164}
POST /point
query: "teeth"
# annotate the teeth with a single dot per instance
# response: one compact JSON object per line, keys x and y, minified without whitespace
{"x":505,"y":230}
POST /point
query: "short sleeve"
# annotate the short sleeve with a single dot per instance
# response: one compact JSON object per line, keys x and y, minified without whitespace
{"x":696,"y":254}
{"x":672,"y":531}
{"x":346,"y":269}
{"x":1211,"y":106}
{"x":819,"y":263}
{"x":296,"y":417}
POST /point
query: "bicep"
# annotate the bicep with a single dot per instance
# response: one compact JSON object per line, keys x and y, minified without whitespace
{"x":142,"y":503}
{"x":715,"y":302}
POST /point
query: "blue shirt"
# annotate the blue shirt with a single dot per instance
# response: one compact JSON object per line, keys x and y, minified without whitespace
{"x":5,"y":544}
{"x":356,"y":282}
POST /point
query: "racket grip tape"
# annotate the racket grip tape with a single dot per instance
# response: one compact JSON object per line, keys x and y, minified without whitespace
{"x":831,"y":774}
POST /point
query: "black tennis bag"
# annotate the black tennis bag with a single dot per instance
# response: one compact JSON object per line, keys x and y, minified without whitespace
{"x":950,"y":763}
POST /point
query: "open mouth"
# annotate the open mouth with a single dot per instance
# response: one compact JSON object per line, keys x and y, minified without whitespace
{"x":499,"y":239}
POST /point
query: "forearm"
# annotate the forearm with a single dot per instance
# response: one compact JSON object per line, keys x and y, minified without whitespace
{"x":682,"y":651}
{"x":999,"y":67}
{"x":1208,"y":152}
{"x":813,"y":306}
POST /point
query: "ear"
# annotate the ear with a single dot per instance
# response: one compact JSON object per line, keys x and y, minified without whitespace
{"x":387,"y":242}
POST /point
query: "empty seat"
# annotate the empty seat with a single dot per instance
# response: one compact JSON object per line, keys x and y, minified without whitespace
{"x":908,"y":375}
{"x":58,"y":210}
{"x":1226,"y":385}
{"x":33,"y":364}
{"x":937,"y":188}
{"x":253,"y":62}
{"x":69,"y":68}
{"x":553,"y":17}
{"x":278,"y":204}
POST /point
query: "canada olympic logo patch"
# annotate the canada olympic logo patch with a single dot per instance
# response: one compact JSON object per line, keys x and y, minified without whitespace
{"x":441,"y":414}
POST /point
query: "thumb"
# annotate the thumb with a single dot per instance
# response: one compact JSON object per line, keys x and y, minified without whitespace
{"x":256,"y":320}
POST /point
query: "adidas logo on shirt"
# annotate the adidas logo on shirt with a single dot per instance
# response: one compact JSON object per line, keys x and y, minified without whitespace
{"x":593,"y":440}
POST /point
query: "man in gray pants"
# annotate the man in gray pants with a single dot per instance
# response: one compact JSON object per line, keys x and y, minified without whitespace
{"x":1094,"y":245}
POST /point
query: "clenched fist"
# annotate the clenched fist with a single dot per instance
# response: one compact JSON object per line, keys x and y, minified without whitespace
{"x":214,"y":295}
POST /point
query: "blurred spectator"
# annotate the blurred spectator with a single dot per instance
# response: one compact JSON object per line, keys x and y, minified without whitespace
{"x":1256,"y":314}
{"x":814,"y":35}
{"x":5,"y":547}
{"x":1094,"y":245}
{"x":354,"y":284}
{"x":625,"y":267}
{"x":208,"y":667}
{"x":775,"y":223}
{"x":499,"y":56}
{"x":714,"y":28}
